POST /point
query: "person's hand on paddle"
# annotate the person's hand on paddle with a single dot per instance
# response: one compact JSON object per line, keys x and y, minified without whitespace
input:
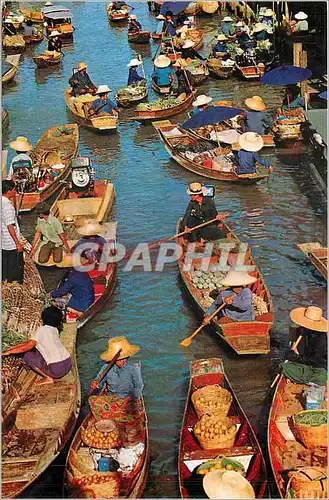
{"x":222,"y":216}
{"x":271,"y":169}
{"x":93,"y":385}
{"x":19,"y":247}
{"x":228,"y":300}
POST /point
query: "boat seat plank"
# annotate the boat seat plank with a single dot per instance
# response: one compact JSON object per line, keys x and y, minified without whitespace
{"x":208,"y":454}
{"x":158,"y":125}
{"x":77,"y":206}
{"x":42,"y":416}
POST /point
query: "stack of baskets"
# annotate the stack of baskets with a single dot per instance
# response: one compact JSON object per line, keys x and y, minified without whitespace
{"x":308,"y":482}
{"x":213,"y":400}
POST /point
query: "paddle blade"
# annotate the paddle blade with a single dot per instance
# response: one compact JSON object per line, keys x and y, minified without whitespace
{"x":186,"y":342}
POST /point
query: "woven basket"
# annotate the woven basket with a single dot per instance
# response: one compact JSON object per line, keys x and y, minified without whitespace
{"x":217,"y":395}
{"x":215,"y":441}
{"x":306,"y":483}
{"x":311,"y":436}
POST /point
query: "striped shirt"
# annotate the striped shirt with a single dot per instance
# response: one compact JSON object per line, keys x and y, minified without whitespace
{"x":8,"y":217}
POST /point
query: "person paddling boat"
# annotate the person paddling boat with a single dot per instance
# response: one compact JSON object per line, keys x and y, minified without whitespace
{"x":133,"y":76}
{"x":81,"y":82}
{"x":248,"y":155}
{"x":201,"y":103}
{"x":103,"y":105}
{"x":256,"y":120}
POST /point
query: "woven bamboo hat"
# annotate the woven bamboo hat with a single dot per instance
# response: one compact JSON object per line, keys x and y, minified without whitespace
{"x":269,"y":13}
{"x":227,"y":485}
{"x":117,"y":343}
{"x":188,"y":44}
{"x":227,"y":19}
{"x":21,"y":144}
{"x":259,"y":27}
{"x":103,"y":89}
{"x":90,"y":227}
{"x":310,"y":317}
{"x":237,"y":278}
{"x":54,"y":33}
{"x":250,"y":141}
{"x":160,"y":17}
{"x":48,"y":4}
{"x":255,"y":103}
{"x":195,"y":188}
{"x":134,"y":62}
{"x":201,"y":100}
{"x":301,"y":16}
{"x":82,"y":65}
{"x":162,"y":61}
{"x":239,"y":24}
{"x":221,"y":37}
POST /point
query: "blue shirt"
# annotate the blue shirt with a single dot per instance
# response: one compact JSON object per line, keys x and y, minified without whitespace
{"x":240,"y":310}
{"x":220,"y":47}
{"x":169,"y":28}
{"x":133,"y":76}
{"x":227,"y":29}
{"x":107,"y":107}
{"x":247,"y":162}
{"x":80,"y":286}
{"x":161,"y":75}
{"x":258,"y":122}
{"x":93,"y":253}
{"x":124,"y":381}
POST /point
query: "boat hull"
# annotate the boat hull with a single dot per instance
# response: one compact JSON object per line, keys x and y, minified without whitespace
{"x":251,"y":72}
{"x":147,"y":116}
{"x":97,"y":124}
{"x":11,"y":73}
{"x":141,"y":37}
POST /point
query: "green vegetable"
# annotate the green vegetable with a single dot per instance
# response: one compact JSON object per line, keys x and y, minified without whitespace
{"x":313,"y":418}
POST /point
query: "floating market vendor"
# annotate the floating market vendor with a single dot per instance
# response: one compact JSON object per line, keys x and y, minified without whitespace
{"x":133,"y":25}
{"x":256,"y":120}
{"x":29,"y":29}
{"x":54,"y":42}
{"x":44,"y":352}
{"x":201,"y":209}
{"x":124,"y":380}
{"x":169,"y":24}
{"x":227,"y":28}
{"x":248,"y":155}
{"x":188,"y":51}
{"x":91,"y":242}
{"x":22,"y":160}
{"x":242,"y":36}
{"x":163,"y":75}
{"x":201,"y":103}
{"x":51,"y":233}
{"x":221,"y":45}
{"x":80,"y":81}
{"x":103,"y":105}
{"x":260,"y":32}
{"x":184,"y":78}
{"x":268,"y":18}
{"x":237,"y":297}
{"x":133,"y":76}
{"x":302,"y":23}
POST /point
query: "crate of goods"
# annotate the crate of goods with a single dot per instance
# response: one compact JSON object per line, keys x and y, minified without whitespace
{"x":213,"y":400}
{"x":214,"y":432}
{"x":101,"y":437}
{"x":308,"y":482}
{"x":312,"y":427}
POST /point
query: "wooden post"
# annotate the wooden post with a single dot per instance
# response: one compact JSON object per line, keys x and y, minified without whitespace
{"x":298,"y":49}
{"x":304,"y":85}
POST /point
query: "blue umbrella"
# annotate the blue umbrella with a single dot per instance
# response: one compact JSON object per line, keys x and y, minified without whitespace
{"x":323,"y":95}
{"x":175,"y":7}
{"x":285,"y":75}
{"x":211,"y":115}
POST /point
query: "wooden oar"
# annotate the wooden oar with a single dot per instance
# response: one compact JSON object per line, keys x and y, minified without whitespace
{"x":143,"y":70}
{"x":293,"y":347}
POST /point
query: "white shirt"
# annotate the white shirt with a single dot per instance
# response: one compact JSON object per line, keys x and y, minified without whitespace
{"x":8,"y":217}
{"x":49,"y":344}
{"x":302,"y":25}
{"x":20,"y":156}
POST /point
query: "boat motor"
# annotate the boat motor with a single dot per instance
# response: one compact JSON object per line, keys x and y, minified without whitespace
{"x":82,"y":176}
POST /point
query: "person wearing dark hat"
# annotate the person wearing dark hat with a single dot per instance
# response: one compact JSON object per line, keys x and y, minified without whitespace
{"x":103,"y":105}
{"x":81,"y":82}
{"x":51,"y":236}
{"x":248,"y":156}
{"x":169,"y":25}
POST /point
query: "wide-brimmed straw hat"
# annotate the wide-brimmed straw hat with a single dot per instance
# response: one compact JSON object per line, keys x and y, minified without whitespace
{"x":162,"y":61}
{"x":221,"y":37}
{"x":255,"y":103}
{"x":259,"y":27}
{"x":310,"y":317}
{"x":237,"y":278}
{"x":227,"y":485}
{"x":229,"y":136}
{"x":103,"y":89}
{"x":82,"y":65}
{"x":269,"y":13}
{"x":48,"y":4}
{"x":201,"y":100}
{"x":21,"y":144}
{"x":250,"y":141}
{"x":227,"y":19}
{"x":133,"y":16}
{"x":117,"y":343}
{"x":195,"y":188}
{"x":134,"y":62}
{"x":300,"y":16}
{"x":188,"y":44}
{"x":54,"y":33}
{"x":90,"y":227}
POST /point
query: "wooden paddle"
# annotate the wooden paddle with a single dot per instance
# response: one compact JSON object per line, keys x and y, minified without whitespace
{"x":139,"y":57}
{"x":293,"y":347}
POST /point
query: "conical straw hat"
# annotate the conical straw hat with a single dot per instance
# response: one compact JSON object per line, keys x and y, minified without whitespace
{"x":21,"y":144}
{"x":259,"y":27}
{"x":301,"y":16}
{"x":250,"y":141}
{"x":227,"y":485}
{"x":201,"y":100}
{"x":117,"y":343}
{"x":90,"y":227}
{"x":237,"y":278}
{"x":162,"y":61}
{"x":310,"y":317}
{"x":82,"y":65}
{"x":134,"y":62}
{"x":255,"y":103}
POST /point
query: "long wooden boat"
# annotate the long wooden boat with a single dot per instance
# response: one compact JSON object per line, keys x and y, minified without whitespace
{"x":173,"y":136}
{"x":118,"y":15}
{"x":245,"y":337}
{"x":65,"y":147}
{"x":59,"y":18}
{"x":36,"y":16}
{"x":127,"y":96}
{"x":160,"y":90}
{"x":251,"y":72}
{"x":13,"y":60}
{"x":148,"y":115}
{"x":246,"y":449}
{"x":199,"y":73}
{"x":132,"y":485}
{"x":106,"y":123}
{"x":45,"y":60}
{"x":194,"y":34}
{"x":286,"y":453}
{"x":318,"y":255}
{"x":30,"y":40}
{"x":139,"y":37}
{"x":217,"y":70}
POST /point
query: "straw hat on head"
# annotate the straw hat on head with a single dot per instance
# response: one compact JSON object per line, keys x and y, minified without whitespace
{"x":117,"y":343}
{"x":221,"y":37}
{"x":259,"y":27}
{"x":160,"y":17}
{"x":195,"y":188}
{"x":54,"y":33}
{"x":103,"y":89}
{"x":250,"y":141}
{"x":201,"y":100}
{"x":301,"y":16}
{"x":162,"y":61}
{"x":269,"y":13}
{"x":227,"y":19}
{"x":237,"y":278}
{"x":48,"y":4}
{"x":21,"y":144}
{"x":255,"y":103}
{"x":229,"y":136}
{"x":188,"y":44}
{"x":227,"y":485}
{"x":82,"y":65}
{"x":90,"y":227}
{"x":310,"y":317}
{"x":134,"y":62}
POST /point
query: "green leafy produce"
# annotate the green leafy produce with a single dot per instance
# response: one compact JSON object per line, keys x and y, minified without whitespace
{"x":159,"y":104}
{"x":313,"y":418}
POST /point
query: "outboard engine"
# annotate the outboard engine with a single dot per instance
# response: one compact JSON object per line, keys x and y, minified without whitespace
{"x":82,"y":176}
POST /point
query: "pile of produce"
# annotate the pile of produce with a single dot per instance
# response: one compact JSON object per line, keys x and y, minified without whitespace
{"x":214,"y":432}
{"x":308,"y":482}
{"x":207,"y":279}
{"x":159,"y":104}
{"x":212,"y":400}
{"x":10,"y":367}
{"x":131,"y":91}
{"x":312,"y":418}
{"x":259,"y":305}
{"x":100,"y":440}
{"x":62,"y":141}
{"x":197,"y":146}
{"x":13,"y":41}
{"x":263,"y":45}
{"x":220,"y":463}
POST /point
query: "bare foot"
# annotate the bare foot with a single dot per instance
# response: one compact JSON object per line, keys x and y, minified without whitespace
{"x":45,"y":380}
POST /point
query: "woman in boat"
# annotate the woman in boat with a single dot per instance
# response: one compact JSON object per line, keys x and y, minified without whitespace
{"x":188,"y":52}
{"x":221,"y":45}
{"x":247,"y":157}
{"x":237,"y":298}
{"x":242,"y":36}
{"x":169,"y":25}
{"x":54,"y":42}
{"x":124,"y":380}
{"x":133,"y":76}
{"x":201,"y":103}
{"x":80,"y":81}
{"x":133,"y":25}
{"x":184,"y":78}
{"x":44,"y":352}
{"x":227,"y":27}
{"x":256,"y":120}
{"x":260,"y":32}
{"x":91,"y":242}
{"x":163,"y":74}
{"x":22,"y":160}
{"x":103,"y":105}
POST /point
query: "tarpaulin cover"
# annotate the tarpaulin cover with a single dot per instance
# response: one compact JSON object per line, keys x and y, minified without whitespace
{"x":304,"y":374}
{"x":211,"y":115}
{"x":285,"y":75}
{"x":56,"y":12}
{"x":175,"y":7}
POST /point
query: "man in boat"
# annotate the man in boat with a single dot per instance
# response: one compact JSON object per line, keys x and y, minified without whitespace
{"x":248,"y":156}
{"x":80,"y":81}
{"x":54,"y":42}
{"x":201,"y":103}
{"x":227,"y":28}
{"x":44,"y":352}
{"x":133,"y":25}
{"x":256,"y":120}
{"x":51,"y":235}
{"x":237,"y":298}
{"x":169,"y":24}
{"x":12,"y":250}
{"x":29,"y":29}
{"x":103,"y":105}
{"x":260,"y":32}
{"x":163,"y":74}
{"x":22,"y":161}
{"x":133,"y":76}
{"x":117,"y":5}
{"x":91,"y":242}
{"x":184,"y":78}
{"x":201,"y":209}
{"x":221,"y":45}
{"x":188,"y":51}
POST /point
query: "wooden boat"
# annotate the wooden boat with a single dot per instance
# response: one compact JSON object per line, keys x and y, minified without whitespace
{"x":132,"y":485}
{"x":13,"y":43}
{"x":173,"y":136}
{"x":246,"y":450}
{"x":36,"y":16}
{"x":45,"y":418}
{"x":156,"y":37}
{"x":245,"y":337}
{"x":105,"y":123}
{"x":286,"y":453}
{"x":318,"y":255}
{"x":118,"y":15}
{"x":196,"y":35}
{"x":160,"y":90}
{"x":217,"y":70}
{"x":64,"y":148}
{"x":251,"y":72}
{"x":45,"y":60}
{"x":145,"y":116}
{"x":131,"y":94}
{"x":59,"y":18}
{"x":199,"y":73}
{"x":287,"y":124}
{"x":13,"y":61}
{"x":30,"y":40}
{"x":139,"y":37}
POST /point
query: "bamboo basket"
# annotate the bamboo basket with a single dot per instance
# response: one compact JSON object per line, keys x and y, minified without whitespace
{"x":211,"y":441}
{"x":109,"y":481}
{"x":312,"y":436}
{"x":213,"y":394}
{"x":104,"y":121}
{"x":308,"y":482}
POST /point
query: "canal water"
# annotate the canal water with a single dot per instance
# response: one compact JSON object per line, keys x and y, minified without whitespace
{"x":150,"y":308}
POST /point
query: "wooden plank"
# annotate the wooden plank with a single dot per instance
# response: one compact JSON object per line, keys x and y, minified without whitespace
{"x":4,"y":155}
{"x":161,"y":123}
{"x":306,"y":248}
{"x":42,"y":416}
